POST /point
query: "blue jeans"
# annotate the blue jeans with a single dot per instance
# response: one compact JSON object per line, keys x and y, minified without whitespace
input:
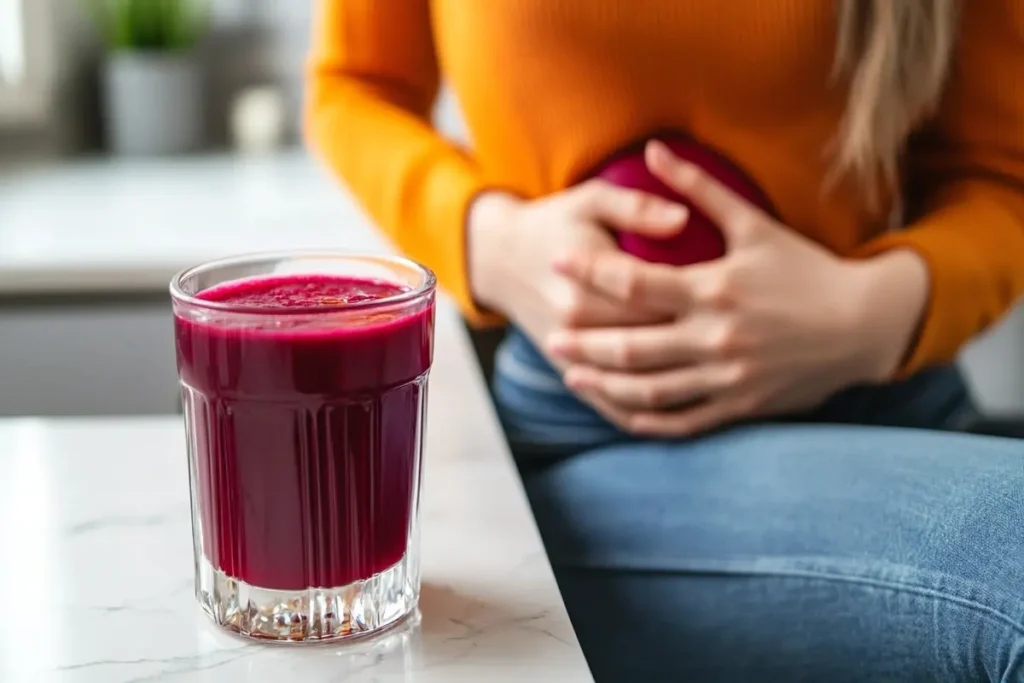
{"x":835,"y":546}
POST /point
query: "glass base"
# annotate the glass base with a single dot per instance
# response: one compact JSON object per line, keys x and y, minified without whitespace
{"x":313,"y":615}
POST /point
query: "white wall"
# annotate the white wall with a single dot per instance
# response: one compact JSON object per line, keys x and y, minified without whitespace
{"x":995,"y":366}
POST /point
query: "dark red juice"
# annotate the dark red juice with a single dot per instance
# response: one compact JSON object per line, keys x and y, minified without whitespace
{"x":307,"y":425}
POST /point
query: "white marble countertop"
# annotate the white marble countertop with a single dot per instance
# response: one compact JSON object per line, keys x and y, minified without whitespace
{"x":95,"y":546}
{"x":96,"y":561}
{"x":128,"y":225}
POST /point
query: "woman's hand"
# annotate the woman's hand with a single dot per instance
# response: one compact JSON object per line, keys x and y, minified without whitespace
{"x":512,"y":244}
{"x":775,"y":326}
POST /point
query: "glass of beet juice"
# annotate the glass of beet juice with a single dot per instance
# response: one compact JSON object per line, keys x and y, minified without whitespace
{"x":304,"y":381}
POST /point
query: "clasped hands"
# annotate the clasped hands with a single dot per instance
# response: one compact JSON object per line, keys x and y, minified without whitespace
{"x":776,"y":326}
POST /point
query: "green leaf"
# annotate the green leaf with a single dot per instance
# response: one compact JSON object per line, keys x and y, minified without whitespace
{"x":149,"y":24}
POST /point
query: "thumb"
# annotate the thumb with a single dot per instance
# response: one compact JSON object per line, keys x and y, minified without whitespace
{"x":738,"y":219}
{"x":631,"y":210}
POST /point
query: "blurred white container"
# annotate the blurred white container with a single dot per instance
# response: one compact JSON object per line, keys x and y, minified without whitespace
{"x":153,"y":102}
{"x":258,"y":120}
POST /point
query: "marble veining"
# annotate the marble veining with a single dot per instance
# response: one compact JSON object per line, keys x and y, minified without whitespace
{"x":96,"y":560}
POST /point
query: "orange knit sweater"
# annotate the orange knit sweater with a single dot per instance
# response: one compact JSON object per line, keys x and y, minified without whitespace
{"x":548,"y":88}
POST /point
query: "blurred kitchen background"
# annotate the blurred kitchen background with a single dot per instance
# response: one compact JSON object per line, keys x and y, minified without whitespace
{"x":247,"y":57}
{"x":138,"y":137}
{"x":135,"y":142}
{"x":54,"y":55}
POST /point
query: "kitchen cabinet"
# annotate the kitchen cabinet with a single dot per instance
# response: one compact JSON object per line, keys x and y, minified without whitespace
{"x":95,"y":356}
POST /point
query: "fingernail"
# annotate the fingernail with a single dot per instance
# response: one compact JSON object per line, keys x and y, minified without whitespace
{"x":675,"y":213}
{"x":575,"y":379}
{"x":558,"y":344}
{"x":657,"y":152}
{"x":561,"y":265}
{"x":566,"y":263}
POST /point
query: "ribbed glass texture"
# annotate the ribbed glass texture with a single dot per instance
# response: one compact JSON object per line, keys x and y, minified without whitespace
{"x":305,"y":440}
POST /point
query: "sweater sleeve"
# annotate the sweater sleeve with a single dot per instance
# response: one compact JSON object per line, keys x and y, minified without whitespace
{"x":372,"y":82}
{"x":966,"y":173}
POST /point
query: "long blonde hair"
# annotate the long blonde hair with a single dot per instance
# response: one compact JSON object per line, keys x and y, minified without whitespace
{"x":896,"y":56}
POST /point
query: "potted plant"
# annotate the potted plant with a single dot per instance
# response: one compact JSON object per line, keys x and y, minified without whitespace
{"x":151,"y":80}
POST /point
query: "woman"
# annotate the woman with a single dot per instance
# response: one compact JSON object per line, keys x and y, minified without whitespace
{"x":688,"y":547}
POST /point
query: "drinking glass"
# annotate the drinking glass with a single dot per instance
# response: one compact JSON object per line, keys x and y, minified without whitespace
{"x":304,"y":428}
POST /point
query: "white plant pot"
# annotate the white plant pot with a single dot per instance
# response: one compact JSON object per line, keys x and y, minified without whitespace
{"x":153,"y":103}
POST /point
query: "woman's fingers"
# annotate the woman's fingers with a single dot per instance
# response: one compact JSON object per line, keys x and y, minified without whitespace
{"x":684,"y":422}
{"x":669,"y":289}
{"x":629,"y":280}
{"x":611,"y":412}
{"x":655,"y":390}
{"x":599,"y":312}
{"x":580,"y":307}
{"x":696,"y":337}
{"x":736,"y":217}
{"x":629,"y":210}
{"x":690,"y":421}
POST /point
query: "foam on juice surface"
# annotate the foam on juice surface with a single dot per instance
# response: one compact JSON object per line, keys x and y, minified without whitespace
{"x":301,"y":291}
